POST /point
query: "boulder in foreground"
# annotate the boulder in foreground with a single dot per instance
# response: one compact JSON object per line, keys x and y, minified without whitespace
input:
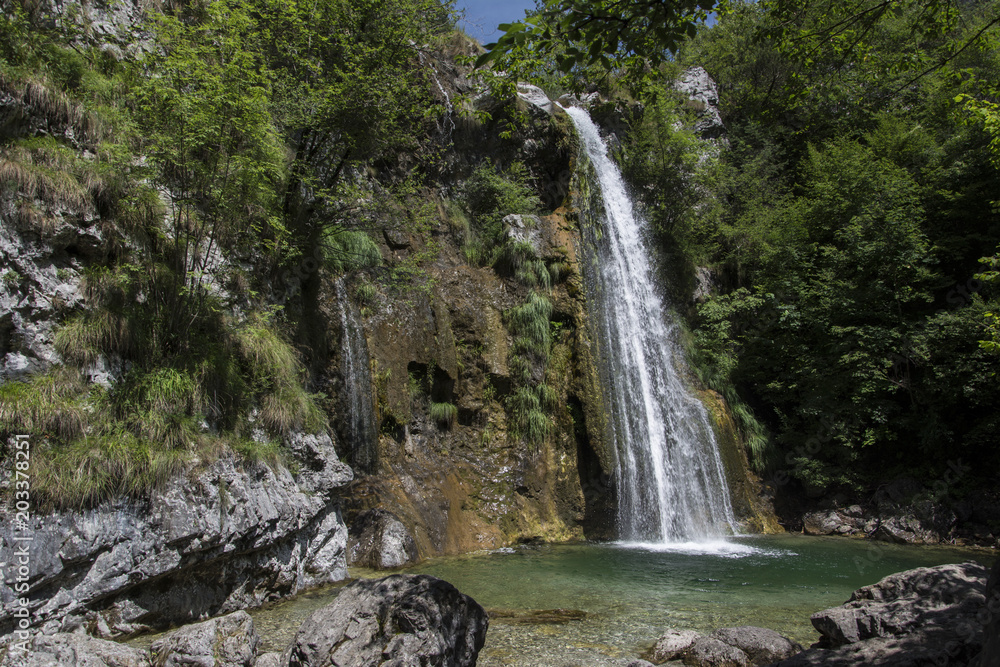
{"x":395,"y":621}
{"x":928,"y":615}
{"x":227,"y":641}
{"x":75,"y":650}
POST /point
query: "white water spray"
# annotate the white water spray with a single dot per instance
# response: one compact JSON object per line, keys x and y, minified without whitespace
{"x":670,"y":479}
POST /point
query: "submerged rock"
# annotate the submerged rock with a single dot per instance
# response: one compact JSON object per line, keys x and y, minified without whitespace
{"x":379,"y":540}
{"x":398,"y":620}
{"x":75,"y":650}
{"x":537,"y":616}
{"x":227,"y":641}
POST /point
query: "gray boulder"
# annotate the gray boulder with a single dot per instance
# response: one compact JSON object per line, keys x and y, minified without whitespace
{"x":761,"y":645}
{"x":929,"y":615}
{"x":379,"y":540}
{"x":397,"y":621}
{"x":671,"y":645}
{"x":711,"y":652}
{"x":905,"y":530}
{"x":828,"y":522}
{"x":74,"y":650}
{"x":269,"y":660}
{"x":882,"y":652}
{"x":227,"y":641}
{"x":990,"y":655}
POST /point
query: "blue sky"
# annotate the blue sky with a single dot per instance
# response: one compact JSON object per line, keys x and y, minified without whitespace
{"x":483,"y":16}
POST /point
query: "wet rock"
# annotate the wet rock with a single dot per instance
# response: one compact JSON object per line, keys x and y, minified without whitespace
{"x":227,"y":641}
{"x":639,"y":663}
{"x":711,"y":652}
{"x":398,"y":620}
{"x":379,"y":540}
{"x":761,"y":645}
{"x":672,"y":644}
{"x":75,"y":650}
{"x":581,"y":100}
{"x":921,"y":616}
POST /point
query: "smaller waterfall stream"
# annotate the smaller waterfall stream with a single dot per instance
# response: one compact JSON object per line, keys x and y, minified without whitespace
{"x":670,"y":480}
{"x":359,"y":431}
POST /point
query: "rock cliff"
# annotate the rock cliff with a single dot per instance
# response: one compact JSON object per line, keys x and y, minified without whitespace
{"x":230,"y":537}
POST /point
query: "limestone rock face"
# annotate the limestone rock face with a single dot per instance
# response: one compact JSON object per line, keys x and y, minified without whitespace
{"x":76,"y":650}
{"x":379,"y":540}
{"x":929,"y":615}
{"x":229,"y":537}
{"x":703,"y":94}
{"x":227,"y":641}
{"x":399,"y":620}
{"x":535,"y":96}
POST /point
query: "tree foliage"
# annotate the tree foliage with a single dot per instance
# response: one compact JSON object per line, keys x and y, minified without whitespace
{"x":854,"y":204}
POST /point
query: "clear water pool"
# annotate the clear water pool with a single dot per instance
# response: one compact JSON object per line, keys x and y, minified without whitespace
{"x":629,"y":593}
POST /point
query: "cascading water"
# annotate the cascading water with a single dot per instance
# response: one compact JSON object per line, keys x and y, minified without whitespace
{"x":359,"y":424}
{"x":670,"y":480}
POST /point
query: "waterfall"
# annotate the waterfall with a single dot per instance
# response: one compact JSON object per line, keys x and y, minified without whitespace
{"x":671,"y":485}
{"x":358,"y":428}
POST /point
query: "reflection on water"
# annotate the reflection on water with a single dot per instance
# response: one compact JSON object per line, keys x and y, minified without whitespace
{"x":618,"y":598}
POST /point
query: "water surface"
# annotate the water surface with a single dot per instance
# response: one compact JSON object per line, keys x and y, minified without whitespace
{"x":629,"y":594}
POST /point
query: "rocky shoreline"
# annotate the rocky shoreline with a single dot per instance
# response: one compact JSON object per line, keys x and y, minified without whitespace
{"x":228,"y":537}
{"x":903,"y":511}
{"x":944,"y":615}
{"x":947,"y":615}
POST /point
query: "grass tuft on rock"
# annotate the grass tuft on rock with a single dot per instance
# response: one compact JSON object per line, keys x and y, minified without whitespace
{"x":444,"y":414}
